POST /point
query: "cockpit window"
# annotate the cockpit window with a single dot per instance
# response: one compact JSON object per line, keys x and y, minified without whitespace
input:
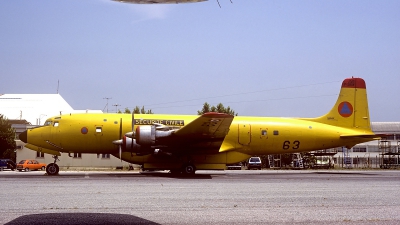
{"x":55,"y":124}
{"x":47,"y":123}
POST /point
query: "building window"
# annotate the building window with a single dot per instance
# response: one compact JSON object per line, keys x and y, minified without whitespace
{"x":39,"y":155}
{"x":105,"y":156}
{"x":359,"y":149}
{"x":77,"y":155}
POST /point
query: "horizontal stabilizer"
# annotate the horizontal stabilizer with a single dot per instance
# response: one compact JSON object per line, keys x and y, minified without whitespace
{"x":377,"y":136}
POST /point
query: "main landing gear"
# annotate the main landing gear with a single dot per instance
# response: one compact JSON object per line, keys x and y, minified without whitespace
{"x":52,"y":168}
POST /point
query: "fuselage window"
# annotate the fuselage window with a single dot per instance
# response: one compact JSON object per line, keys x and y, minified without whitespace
{"x":55,"y":124}
{"x":98,"y":129}
{"x":276,"y":132}
{"x":263,"y":132}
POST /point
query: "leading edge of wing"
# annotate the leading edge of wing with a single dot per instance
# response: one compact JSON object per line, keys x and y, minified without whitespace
{"x":208,"y":125}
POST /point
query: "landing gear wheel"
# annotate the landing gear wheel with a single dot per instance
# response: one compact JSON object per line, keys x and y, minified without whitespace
{"x":52,"y":169}
{"x":188,"y":169}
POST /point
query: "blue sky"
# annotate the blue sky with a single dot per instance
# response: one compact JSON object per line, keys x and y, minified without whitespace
{"x":260,"y":57}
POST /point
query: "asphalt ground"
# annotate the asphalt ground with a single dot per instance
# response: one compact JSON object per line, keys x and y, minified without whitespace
{"x":209,"y":197}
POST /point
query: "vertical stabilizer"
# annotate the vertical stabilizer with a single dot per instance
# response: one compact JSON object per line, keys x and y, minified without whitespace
{"x":351,"y":108}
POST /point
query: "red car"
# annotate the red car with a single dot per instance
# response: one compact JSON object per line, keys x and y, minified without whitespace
{"x":30,"y":164}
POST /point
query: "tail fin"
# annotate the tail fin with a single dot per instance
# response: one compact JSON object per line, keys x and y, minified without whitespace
{"x":351,"y":108}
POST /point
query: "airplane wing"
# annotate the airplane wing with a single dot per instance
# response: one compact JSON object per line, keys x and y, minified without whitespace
{"x":207,"y":132}
{"x":158,"y":1}
{"x":210,"y":125}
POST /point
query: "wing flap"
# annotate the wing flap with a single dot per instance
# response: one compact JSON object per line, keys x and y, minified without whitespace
{"x":208,"y":125}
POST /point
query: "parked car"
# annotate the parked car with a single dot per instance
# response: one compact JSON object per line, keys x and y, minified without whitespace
{"x":30,"y":164}
{"x":254,"y":162}
{"x":7,"y":164}
{"x":235,"y":166}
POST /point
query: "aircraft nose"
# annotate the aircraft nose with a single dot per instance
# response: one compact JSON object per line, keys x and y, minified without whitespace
{"x":24,"y":136}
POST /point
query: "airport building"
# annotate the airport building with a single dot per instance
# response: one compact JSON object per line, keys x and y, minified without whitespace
{"x":29,"y":110}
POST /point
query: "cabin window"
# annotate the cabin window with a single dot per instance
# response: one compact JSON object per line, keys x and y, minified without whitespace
{"x":264,"y":132}
{"x":98,"y":129}
{"x":55,"y":124}
{"x":276,"y":132}
{"x":115,"y":122}
{"x":105,"y":120}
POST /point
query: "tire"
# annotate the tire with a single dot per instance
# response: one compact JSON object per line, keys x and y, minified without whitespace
{"x":26,"y":169}
{"x":188,"y":169}
{"x":52,"y":169}
{"x":43,"y":168}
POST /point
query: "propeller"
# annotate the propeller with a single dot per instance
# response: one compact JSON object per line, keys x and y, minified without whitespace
{"x":120,"y":137}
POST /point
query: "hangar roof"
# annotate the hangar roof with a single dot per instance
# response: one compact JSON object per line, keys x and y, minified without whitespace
{"x":34,"y":108}
{"x":386,"y":127}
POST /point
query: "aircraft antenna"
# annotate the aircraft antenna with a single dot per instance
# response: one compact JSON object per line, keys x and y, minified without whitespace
{"x":106,"y":104}
{"x":220,"y":4}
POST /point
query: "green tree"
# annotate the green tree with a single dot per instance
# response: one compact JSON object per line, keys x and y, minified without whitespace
{"x":219,"y":108}
{"x":127,"y":111}
{"x":138,"y":110}
{"x":7,"y":142}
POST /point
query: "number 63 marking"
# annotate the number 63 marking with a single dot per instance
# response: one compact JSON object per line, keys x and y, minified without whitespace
{"x":287,"y":145}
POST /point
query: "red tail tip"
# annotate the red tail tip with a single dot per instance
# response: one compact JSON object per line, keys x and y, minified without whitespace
{"x":354,"y":83}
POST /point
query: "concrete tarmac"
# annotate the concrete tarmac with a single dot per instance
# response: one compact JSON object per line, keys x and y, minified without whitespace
{"x":209,"y":197}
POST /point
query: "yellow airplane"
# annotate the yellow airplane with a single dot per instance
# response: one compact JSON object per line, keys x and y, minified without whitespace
{"x":186,"y":143}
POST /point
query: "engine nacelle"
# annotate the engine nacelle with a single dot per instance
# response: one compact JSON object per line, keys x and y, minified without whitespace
{"x":150,"y":135}
{"x":130,"y":145}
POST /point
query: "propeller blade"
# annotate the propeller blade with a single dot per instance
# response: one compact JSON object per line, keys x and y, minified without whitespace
{"x":133,"y":127}
{"x":120,"y":137}
{"x":120,"y":152}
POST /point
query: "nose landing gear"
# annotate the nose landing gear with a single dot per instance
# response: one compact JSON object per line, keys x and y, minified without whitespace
{"x":52,"y":168}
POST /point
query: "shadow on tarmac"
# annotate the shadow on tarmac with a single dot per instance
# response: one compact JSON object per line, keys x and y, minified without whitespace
{"x":80,"y":218}
{"x":177,"y":176}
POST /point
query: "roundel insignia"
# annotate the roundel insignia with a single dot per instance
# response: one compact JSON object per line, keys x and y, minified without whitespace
{"x":345,"y":109}
{"x":84,"y":130}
